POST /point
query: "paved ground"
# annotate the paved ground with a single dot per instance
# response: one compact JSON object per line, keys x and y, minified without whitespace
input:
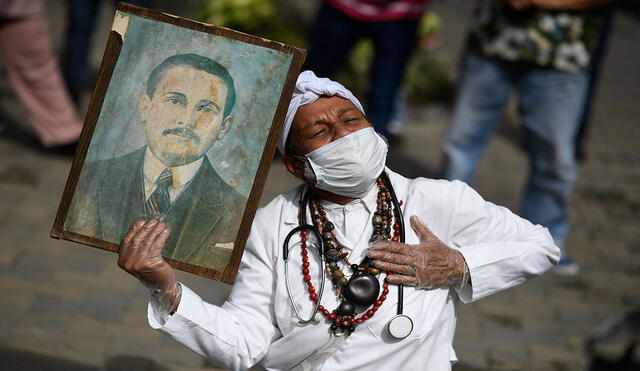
{"x":68,"y":307}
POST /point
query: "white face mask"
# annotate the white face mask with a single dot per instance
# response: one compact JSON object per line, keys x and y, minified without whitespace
{"x":348,"y":166}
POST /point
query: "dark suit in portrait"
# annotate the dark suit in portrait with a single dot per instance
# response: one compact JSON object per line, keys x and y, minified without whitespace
{"x":203,"y":219}
{"x":185,"y":109}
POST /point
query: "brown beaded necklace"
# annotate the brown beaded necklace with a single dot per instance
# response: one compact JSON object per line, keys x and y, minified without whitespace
{"x":363,"y":287}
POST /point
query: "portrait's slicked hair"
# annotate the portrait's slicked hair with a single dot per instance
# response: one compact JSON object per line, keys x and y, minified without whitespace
{"x":197,"y":62}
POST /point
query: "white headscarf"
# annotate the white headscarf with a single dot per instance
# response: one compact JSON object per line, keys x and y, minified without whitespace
{"x":308,"y":89}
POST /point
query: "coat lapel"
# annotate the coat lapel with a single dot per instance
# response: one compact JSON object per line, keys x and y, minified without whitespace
{"x":121,"y":195}
{"x":195,"y":213}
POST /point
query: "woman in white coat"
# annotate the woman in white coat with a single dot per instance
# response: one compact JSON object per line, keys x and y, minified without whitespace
{"x":460,"y":247}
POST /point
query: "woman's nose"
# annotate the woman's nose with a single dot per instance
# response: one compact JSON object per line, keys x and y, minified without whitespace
{"x":341,"y":131}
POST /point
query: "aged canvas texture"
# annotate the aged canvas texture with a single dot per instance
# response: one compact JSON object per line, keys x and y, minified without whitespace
{"x":180,"y":135}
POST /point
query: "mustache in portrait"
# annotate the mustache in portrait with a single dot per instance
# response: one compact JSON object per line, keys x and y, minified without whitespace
{"x":182,"y":131}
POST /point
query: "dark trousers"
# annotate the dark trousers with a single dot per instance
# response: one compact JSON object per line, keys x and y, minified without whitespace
{"x":594,"y":76}
{"x":82,"y":16}
{"x":335,"y":34}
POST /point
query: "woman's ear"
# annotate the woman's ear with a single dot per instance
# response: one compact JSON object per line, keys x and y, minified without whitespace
{"x":294,"y":165}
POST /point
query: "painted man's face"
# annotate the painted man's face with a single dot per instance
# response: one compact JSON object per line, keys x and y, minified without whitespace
{"x":185,"y":115}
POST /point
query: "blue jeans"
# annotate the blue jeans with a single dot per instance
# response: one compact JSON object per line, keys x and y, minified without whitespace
{"x":550,"y":104}
{"x":335,"y":34}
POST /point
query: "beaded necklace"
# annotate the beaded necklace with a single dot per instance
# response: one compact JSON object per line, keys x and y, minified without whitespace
{"x":362,"y":289}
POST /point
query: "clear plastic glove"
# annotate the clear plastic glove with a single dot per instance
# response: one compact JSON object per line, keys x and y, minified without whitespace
{"x":140,"y":256}
{"x":429,"y":264}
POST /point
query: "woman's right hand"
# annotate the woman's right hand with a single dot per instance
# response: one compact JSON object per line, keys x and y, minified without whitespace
{"x":140,"y":255}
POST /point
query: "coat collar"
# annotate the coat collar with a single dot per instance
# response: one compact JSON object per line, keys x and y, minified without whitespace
{"x":196,"y":212}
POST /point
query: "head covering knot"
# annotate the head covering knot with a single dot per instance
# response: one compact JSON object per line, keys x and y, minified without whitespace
{"x":308,"y":89}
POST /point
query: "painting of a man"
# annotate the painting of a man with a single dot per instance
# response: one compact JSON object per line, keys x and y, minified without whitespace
{"x":185,"y":109}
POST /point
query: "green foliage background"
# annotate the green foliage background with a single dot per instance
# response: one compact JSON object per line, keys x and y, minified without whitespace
{"x":256,"y":17}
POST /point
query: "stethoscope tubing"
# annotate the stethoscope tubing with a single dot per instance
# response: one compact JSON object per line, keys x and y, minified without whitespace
{"x":398,"y":210}
{"x":299,"y":228}
{"x":285,"y":253}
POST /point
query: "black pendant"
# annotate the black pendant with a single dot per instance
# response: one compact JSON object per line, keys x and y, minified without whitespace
{"x":346,"y":309}
{"x":362,"y":289}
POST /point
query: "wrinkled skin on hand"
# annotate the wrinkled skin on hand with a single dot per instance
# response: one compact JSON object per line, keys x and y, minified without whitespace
{"x":140,"y":255}
{"x":429,"y":264}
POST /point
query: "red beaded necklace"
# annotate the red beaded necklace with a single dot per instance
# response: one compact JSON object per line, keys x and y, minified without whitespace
{"x":363,"y":287}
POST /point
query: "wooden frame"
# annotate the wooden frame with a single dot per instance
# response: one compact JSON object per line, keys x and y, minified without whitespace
{"x":96,"y":195}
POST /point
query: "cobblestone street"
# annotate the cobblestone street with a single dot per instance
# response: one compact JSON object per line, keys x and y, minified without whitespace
{"x":69,"y":307}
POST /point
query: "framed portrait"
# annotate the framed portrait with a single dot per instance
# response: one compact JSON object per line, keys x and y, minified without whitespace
{"x":182,"y":125}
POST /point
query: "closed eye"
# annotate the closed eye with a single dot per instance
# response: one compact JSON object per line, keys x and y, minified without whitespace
{"x":319,"y":132}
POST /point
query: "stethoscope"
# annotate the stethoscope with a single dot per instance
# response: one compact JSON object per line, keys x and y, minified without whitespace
{"x":400,"y":325}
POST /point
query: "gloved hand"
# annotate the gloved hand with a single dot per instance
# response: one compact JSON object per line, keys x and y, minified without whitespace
{"x":429,"y":264}
{"x":140,"y":256}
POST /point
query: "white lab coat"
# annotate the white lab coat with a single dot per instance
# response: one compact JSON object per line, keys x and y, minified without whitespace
{"x":254,"y":327}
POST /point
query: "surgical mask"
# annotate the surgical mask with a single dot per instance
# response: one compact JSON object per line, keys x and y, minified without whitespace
{"x":348,"y":166}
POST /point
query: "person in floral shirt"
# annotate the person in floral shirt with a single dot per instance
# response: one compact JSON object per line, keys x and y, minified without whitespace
{"x":542,"y":49}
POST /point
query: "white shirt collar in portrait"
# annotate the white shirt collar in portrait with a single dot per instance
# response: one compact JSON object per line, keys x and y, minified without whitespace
{"x":182,"y":175}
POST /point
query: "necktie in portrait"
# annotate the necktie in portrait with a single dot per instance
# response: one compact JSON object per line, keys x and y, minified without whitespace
{"x":159,"y":201}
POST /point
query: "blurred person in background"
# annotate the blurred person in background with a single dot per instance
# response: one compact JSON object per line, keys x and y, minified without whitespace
{"x":32,"y":67}
{"x":594,"y":76}
{"x":82,"y":16}
{"x":392,"y":26}
{"x":542,"y":48}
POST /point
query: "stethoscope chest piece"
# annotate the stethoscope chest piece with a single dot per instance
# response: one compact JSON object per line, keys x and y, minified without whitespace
{"x":400,"y":326}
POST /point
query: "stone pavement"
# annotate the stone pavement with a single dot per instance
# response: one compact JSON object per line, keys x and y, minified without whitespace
{"x":69,"y":307}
